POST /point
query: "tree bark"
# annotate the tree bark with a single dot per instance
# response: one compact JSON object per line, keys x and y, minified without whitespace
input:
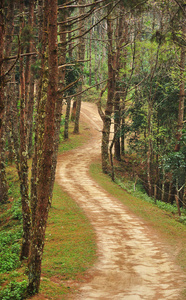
{"x":67,"y":117}
{"x":149,"y":151}
{"x":120,"y":40}
{"x":109,"y":104}
{"x":24,"y":156}
{"x":9,"y":31}
{"x":3,"y":182}
{"x":40,"y":105}
{"x":59,"y":103}
{"x":182,"y":92}
{"x":29,"y":79}
{"x":45,"y":166}
{"x":90,"y":59}
{"x":81,"y":56}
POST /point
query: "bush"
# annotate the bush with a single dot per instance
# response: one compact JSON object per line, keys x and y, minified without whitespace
{"x":16,"y":210}
{"x":182,"y":220}
{"x":140,"y":193}
{"x":14,"y":291}
{"x":9,"y":250}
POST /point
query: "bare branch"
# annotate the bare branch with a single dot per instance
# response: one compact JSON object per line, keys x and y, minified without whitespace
{"x":79,"y":6}
{"x":68,"y":87}
{"x":21,"y":55}
{"x":181,"y":7}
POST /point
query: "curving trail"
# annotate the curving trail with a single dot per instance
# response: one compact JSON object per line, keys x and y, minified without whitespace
{"x":132,"y":263}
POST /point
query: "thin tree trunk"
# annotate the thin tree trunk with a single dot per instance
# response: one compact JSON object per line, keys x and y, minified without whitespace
{"x":90,"y":59}
{"x":149,"y":151}
{"x":163,"y":186}
{"x":81,"y":56}
{"x":182,"y":93}
{"x":120,"y":40}
{"x":109,"y":104}
{"x":24,"y":157}
{"x":125,"y":40}
{"x":117,"y":148}
{"x":14,"y":130}
{"x":9,"y":31}
{"x":29,"y":75}
{"x":67,"y":117}
{"x":3,"y":182}
{"x":40,"y":105}
{"x":58,"y":109}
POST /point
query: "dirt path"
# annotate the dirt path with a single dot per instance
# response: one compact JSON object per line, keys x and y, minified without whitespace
{"x":132,"y":263}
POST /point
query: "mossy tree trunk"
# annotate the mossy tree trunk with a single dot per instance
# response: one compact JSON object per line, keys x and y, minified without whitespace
{"x":3,"y":182}
{"x":9,"y":33}
{"x":120,"y":42}
{"x":110,"y":98}
{"x":81,"y":56}
{"x":182,"y":89}
{"x":24,"y":155}
{"x":40,"y":104}
{"x":46,"y":161}
{"x":29,"y":78}
{"x":58,"y":108}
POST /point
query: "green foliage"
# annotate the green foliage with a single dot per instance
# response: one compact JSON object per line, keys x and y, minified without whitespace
{"x":175,"y":162}
{"x":14,"y":291}
{"x":71,"y":75}
{"x":183,"y":220}
{"x":61,"y":134}
{"x":9,"y":249}
{"x":26,"y":35}
{"x":140,"y":193}
{"x":16,"y":209}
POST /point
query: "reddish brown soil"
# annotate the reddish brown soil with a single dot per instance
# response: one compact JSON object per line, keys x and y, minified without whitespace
{"x":132,"y":262}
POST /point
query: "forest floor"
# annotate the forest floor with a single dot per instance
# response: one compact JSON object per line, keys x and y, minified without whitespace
{"x":132,"y":261}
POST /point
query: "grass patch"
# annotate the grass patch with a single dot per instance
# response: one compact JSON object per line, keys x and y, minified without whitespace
{"x":162,"y":222}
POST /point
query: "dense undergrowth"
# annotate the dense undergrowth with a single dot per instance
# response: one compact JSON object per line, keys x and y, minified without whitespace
{"x":12,"y":280}
{"x":138,"y":191}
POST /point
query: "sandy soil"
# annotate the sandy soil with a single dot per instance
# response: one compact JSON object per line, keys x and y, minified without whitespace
{"x":132,"y":262}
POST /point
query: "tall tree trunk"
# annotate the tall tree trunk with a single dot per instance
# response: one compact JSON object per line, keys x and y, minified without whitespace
{"x":59,"y":103}
{"x":117,"y":148}
{"x":149,"y":151}
{"x":81,"y":56}
{"x":117,"y":118}
{"x":124,"y":64}
{"x":40,"y":105}
{"x":90,"y":59}
{"x":123,"y":132}
{"x":182,"y":91}
{"x":3,"y":182}
{"x":29,"y":79}
{"x":110,"y":98}
{"x":14,"y":130}
{"x":67,"y":117}
{"x":9,"y":30}
{"x":24,"y":156}
{"x":45,"y":167}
